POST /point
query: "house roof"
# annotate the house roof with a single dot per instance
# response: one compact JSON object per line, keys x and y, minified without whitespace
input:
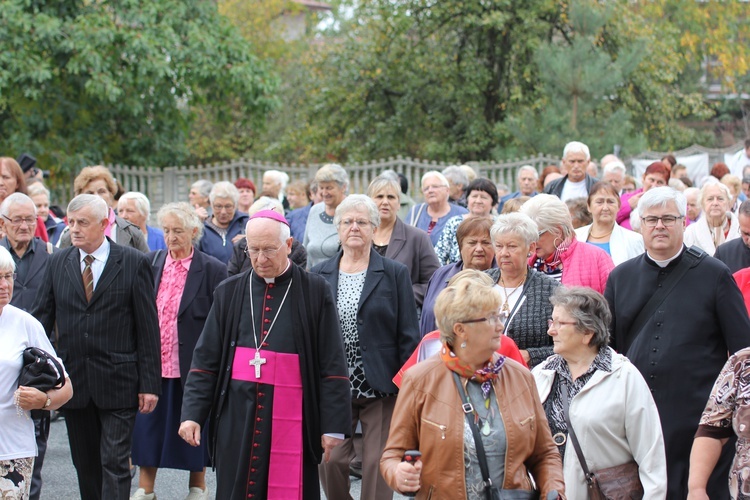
{"x":312,"y":5}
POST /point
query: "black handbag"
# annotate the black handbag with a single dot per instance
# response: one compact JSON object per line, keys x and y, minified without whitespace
{"x":41,"y":370}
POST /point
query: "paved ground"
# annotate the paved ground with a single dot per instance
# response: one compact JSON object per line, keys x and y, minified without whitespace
{"x":60,"y":482}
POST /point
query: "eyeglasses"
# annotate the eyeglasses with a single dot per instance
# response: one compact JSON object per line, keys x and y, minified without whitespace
{"x":221,"y":208}
{"x":497,"y":319}
{"x":553,"y":324}
{"x":349,"y":222}
{"x":268,"y":253}
{"x":9,"y":278}
{"x":18,"y":221}
{"x":667,"y":220}
{"x":542,"y":232}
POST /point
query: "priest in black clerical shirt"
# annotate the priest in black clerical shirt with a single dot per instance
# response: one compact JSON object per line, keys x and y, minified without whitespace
{"x":270,"y":371}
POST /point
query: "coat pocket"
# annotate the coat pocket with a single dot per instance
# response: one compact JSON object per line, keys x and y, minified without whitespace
{"x":529,"y":422}
{"x":440,"y":427}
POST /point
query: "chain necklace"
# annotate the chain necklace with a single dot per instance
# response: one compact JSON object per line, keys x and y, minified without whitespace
{"x":257,"y":361}
{"x":592,"y":235}
{"x":506,"y":306}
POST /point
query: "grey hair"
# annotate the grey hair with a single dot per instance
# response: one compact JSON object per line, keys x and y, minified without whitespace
{"x":203,"y":186}
{"x":333,"y":172}
{"x":589,"y":309}
{"x":615,"y":166}
{"x":516,"y":224}
{"x":527,"y":168}
{"x":471,"y":173}
{"x":15,"y":199}
{"x":224,"y":189}
{"x":576,"y":147}
{"x":723,"y":187}
{"x":550,"y":214}
{"x":390,"y":174}
{"x":266,"y":203}
{"x":6,"y":260}
{"x":37,"y":188}
{"x":382,"y":182}
{"x":357,"y":201}
{"x":744,"y":208}
{"x":98,"y":206}
{"x":278,"y":176}
{"x":284,"y":231}
{"x":455,"y":174}
{"x":438,"y":175}
{"x":141,"y":202}
{"x":185,"y":214}
{"x":677,"y":184}
{"x":692,"y":190}
{"x":659,"y":197}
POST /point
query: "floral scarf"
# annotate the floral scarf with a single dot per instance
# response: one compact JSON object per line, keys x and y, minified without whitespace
{"x":485,"y":375}
{"x":551,"y":264}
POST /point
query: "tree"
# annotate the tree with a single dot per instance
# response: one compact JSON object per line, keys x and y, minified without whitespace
{"x":468,"y":80}
{"x":86,"y":82}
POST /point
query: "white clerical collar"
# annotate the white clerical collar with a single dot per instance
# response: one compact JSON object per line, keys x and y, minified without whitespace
{"x":665,"y":263}
{"x":273,"y":280}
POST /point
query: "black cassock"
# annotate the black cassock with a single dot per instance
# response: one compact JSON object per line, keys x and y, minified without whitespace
{"x":241,"y":425}
{"x":681,"y":350}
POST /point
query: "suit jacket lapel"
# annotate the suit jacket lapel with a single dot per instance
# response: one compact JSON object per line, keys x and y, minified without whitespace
{"x":398,"y":240}
{"x":375,"y":273}
{"x":330,"y":271}
{"x":193,"y":282}
{"x":73,"y":268}
{"x":111,"y":269}
{"x":158,"y":268}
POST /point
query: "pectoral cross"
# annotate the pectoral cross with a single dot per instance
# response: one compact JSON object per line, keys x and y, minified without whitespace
{"x":257,"y":361}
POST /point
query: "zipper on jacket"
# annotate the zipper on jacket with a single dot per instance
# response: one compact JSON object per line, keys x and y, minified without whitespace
{"x":439,"y":426}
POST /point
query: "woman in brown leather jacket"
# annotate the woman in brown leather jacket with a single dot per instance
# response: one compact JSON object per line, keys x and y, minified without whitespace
{"x":505,"y":407}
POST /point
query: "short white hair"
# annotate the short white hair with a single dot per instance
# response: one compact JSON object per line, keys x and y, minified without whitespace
{"x":6,"y":260}
{"x":16,"y":199}
{"x":224,"y":189}
{"x":139,"y":199}
{"x":436,"y":174}
{"x":278,"y":177}
{"x":576,"y":147}
{"x":659,"y":197}
{"x":527,"y":168}
{"x":712,"y":183}
{"x":615,"y":166}
{"x":38,"y":188}
{"x":455,"y":174}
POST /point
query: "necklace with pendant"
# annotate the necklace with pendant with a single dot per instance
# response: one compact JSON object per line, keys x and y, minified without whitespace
{"x":257,"y":361}
{"x":506,"y":303}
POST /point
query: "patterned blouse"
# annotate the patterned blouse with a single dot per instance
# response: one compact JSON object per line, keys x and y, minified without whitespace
{"x":553,"y":406}
{"x":447,"y":246}
{"x":348,"y":294}
{"x":727,"y":414}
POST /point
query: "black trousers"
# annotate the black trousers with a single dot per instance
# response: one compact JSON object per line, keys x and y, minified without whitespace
{"x":41,"y":430}
{"x":100,"y":446}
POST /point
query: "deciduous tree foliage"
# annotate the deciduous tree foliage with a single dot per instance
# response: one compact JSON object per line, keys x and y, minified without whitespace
{"x":471,"y":80}
{"x":88,"y":81}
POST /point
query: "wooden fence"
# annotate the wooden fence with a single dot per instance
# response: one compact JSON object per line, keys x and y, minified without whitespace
{"x":173,"y":183}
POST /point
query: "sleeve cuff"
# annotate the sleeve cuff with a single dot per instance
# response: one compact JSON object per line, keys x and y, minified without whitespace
{"x":710,"y":431}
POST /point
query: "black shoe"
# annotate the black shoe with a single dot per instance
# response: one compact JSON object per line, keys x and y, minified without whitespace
{"x":355,"y":469}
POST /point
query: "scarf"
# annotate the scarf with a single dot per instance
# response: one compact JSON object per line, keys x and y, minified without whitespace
{"x":485,"y":376}
{"x":551,"y":263}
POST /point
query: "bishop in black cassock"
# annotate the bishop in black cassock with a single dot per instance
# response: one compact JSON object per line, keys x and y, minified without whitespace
{"x":269,"y":374}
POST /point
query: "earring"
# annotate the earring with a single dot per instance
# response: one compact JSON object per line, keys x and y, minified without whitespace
{"x":463,"y":345}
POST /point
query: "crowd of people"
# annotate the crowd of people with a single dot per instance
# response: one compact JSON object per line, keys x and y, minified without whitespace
{"x":478,"y":344}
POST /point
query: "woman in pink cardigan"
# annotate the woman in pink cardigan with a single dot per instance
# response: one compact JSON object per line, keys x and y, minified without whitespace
{"x":558,"y":253}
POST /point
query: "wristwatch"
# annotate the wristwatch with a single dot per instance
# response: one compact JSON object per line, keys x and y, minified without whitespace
{"x":49,"y":402}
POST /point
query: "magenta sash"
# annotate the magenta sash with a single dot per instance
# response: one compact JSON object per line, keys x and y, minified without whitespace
{"x":282,"y":371}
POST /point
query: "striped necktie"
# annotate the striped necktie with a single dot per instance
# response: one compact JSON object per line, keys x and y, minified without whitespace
{"x":88,"y":277}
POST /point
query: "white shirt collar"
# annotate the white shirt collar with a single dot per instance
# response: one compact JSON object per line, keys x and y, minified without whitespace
{"x":99,"y":254}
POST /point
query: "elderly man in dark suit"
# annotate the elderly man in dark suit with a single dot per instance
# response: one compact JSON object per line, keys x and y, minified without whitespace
{"x":100,"y":296}
{"x":30,"y":255}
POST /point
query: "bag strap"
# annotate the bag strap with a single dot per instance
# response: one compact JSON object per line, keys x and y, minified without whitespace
{"x":415,"y":217}
{"x":468,"y":410}
{"x":571,"y":433}
{"x":691,"y":256}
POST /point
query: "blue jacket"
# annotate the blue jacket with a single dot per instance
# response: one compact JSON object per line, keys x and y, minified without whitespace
{"x":216,"y":245}
{"x":155,"y":239}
